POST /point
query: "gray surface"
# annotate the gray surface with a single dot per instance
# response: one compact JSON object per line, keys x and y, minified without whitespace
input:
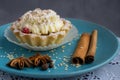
{"x":104,"y":12}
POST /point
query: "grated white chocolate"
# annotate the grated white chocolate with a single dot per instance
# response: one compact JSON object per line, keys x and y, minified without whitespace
{"x":40,"y":21}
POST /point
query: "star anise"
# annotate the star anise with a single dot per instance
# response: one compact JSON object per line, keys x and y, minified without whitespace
{"x":39,"y":60}
{"x":20,"y":63}
{"x":44,"y":61}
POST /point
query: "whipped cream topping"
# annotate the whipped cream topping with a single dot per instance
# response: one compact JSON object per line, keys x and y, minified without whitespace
{"x":40,"y":21}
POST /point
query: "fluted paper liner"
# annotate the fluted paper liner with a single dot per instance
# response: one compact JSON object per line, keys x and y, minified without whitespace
{"x":69,"y":37}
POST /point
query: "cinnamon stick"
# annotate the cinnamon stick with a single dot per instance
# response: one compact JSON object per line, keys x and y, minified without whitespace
{"x":92,"y":47}
{"x":79,"y":54}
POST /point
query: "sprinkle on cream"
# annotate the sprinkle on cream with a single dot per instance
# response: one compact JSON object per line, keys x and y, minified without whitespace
{"x":40,"y":21}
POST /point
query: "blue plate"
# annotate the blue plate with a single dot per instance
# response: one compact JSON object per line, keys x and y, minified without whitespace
{"x":107,"y":49}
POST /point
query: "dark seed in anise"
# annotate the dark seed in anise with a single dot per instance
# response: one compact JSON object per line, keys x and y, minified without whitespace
{"x":51,"y":65}
{"x":21,"y":64}
{"x":44,"y":66}
{"x":49,"y":61}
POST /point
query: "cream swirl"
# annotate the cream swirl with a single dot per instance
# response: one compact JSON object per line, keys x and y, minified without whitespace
{"x":40,"y":21}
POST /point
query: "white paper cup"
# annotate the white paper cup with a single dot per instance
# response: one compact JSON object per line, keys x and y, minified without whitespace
{"x":73,"y":33}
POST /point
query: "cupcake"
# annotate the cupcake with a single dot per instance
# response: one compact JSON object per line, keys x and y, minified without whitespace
{"x":40,"y":28}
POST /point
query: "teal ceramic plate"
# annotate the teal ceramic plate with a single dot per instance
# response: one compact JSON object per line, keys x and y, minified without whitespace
{"x":107,"y":49}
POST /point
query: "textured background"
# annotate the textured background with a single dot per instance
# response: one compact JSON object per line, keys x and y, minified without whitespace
{"x":103,"y":12}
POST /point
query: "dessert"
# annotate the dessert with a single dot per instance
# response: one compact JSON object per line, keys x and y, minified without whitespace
{"x":41,"y":28}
